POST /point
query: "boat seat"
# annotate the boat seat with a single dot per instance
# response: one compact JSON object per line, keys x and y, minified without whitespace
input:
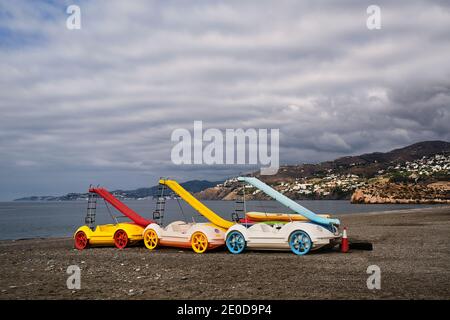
{"x":181,"y":227}
{"x":266,"y":228}
{"x":262,"y":227}
{"x":103,"y":228}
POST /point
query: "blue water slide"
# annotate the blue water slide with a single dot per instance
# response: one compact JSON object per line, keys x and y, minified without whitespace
{"x":291,"y":204}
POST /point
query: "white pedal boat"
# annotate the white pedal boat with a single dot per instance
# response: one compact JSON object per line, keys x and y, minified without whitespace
{"x":299,"y":237}
{"x":198,"y":236}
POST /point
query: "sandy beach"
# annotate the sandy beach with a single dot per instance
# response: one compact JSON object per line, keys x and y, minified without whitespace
{"x":411,"y":247}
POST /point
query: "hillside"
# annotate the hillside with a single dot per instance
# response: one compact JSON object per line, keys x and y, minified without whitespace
{"x":413,"y":174}
{"x":136,"y":194}
{"x":365,"y":165}
{"x":420,"y":164}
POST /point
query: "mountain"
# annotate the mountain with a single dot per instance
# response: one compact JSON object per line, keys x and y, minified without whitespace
{"x":416,"y":173}
{"x":421,"y":163}
{"x":192,"y":186}
{"x":366,"y":165}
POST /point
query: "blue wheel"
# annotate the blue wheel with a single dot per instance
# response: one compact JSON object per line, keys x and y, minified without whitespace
{"x":300,"y":242}
{"x":235,"y":242}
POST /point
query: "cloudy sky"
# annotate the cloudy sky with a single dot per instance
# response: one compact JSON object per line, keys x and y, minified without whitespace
{"x":98,"y":105}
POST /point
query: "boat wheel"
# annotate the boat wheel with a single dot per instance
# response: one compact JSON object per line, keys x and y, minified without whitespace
{"x":235,"y":242}
{"x":81,"y":240}
{"x":199,"y":242}
{"x":151,"y":239}
{"x":120,"y":239}
{"x":300,"y":242}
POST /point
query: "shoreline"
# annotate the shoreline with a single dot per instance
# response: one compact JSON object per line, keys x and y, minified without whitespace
{"x":411,"y":247}
{"x":431,"y":209}
{"x":370,"y":213}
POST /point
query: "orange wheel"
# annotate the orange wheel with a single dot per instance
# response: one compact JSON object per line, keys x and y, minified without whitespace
{"x":81,"y":240}
{"x":199,"y":242}
{"x":120,"y":239}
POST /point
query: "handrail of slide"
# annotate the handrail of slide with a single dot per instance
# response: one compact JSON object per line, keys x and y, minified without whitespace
{"x":119,"y":205}
{"x":197,"y":205}
{"x":291,"y":204}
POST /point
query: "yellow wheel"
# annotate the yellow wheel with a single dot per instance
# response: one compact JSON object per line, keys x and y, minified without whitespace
{"x":199,"y":242}
{"x":151,"y":239}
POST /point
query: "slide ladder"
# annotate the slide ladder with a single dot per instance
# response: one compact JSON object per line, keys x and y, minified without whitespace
{"x":239,"y":207}
{"x":197,"y":205}
{"x":91,"y":210}
{"x":119,"y":205}
{"x":291,"y":204}
{"x":158,"y":214}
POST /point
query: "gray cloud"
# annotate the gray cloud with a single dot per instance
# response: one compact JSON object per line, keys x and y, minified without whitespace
{"x":99,"y":104}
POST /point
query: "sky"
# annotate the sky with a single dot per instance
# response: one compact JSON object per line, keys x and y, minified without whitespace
{"x":98,"y":105}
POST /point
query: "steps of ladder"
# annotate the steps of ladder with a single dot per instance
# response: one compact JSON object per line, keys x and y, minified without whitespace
{"x":158,"y":213}
{"x":91,"y":210}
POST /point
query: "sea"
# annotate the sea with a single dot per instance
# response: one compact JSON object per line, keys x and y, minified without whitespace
{"x":48,"y":219}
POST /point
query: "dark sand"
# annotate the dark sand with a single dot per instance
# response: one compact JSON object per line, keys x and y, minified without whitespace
{"x":411,"y":247}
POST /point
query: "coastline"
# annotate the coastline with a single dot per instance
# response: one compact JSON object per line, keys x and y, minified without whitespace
{"x":411,"y":247}
{"x":431,"y":207}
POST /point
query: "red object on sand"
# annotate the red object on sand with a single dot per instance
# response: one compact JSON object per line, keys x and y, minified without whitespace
{"x":344,"y":241}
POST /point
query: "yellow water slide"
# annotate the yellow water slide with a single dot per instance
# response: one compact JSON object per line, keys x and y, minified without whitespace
{"x":197,"y":205}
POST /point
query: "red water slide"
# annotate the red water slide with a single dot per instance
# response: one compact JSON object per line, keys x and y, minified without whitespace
{"x":119,"y":205}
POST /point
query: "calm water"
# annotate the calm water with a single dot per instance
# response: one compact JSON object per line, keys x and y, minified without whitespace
{"x":19,"y":220}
